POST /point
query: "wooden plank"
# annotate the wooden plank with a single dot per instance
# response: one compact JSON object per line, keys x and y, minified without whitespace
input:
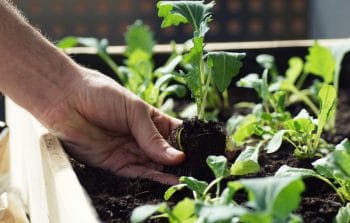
{"x":40,"y":169}
{"x":66,"y":194}
{"x":26,"y":171}
{"x":4,"y":151}
{"x":166,"y":48}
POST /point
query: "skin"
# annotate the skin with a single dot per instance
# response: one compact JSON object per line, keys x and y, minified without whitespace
{"x":98,"y":121}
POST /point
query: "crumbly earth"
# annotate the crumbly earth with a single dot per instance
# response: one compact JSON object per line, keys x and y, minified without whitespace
{"x":114,"y":197}
{"x":199,"y":139}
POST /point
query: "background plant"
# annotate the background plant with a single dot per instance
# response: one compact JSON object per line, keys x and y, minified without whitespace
{"x":154,"y":85}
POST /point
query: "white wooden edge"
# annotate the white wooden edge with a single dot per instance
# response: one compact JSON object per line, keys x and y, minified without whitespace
{"x":166,"y":48}
{"x":44,"y":177}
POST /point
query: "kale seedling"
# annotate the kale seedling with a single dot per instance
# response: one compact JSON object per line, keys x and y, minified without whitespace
{"x":139,"y":74}
{"x":270,"y":199}
{"x":212,"y":69}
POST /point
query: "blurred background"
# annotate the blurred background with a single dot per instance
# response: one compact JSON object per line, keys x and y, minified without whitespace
{"x":235,"y":20}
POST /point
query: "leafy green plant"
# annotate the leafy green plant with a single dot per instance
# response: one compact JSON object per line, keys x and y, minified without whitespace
{"x":212,"y":69}
{"x":270,"y":124}
{"x":138,"y":74}
{"x":333,"y":169}
{"x":266,"y":199}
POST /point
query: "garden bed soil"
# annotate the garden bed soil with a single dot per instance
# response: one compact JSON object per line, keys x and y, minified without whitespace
{"x":115,"y":197}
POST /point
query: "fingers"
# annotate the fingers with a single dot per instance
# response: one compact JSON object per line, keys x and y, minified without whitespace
{"x":164,"y":123}
{"x":151,"y":140}
{"x":144,"y":172}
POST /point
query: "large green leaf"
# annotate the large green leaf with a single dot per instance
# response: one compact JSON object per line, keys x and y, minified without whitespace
{"x":218,"y":164}
{"x":183,"y":212}
{"x":328,"y":96}
{"x":287,"y":171}
{"x":195,"y":185}
{"x":245,"y":129}
{"x":224,"y":66}
{"x":193,"y":79}
{"x":321,"y":62}
{"x":270,"y":194}
{"x":247,"y":162}
{"x":276,"y":142}
{"x":139,"y":36}
{"x":197,"y":13}
{"x":343,"y":215}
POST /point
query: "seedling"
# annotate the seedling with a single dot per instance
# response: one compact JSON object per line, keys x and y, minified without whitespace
{"x":266,"y":199}
{"x":138,"y":74}
{"x":333,"y":169}
{"x":212,"y":69}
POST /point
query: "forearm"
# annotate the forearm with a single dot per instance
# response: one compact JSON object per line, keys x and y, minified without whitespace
{"x":32,"y":70}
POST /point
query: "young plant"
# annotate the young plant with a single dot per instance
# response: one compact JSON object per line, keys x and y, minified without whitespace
{"x":270,"y":199}
{"x":333,"y":169}
{"x":270,"y":124}
{"x":212,"y":69}
{"x":138,"y":74}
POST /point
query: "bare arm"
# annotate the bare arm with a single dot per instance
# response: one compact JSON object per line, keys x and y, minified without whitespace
{"x":98,"y":121}
{"x":32,"y":70}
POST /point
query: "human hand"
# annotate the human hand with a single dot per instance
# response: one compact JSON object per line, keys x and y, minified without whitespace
{"x":105,"y":125}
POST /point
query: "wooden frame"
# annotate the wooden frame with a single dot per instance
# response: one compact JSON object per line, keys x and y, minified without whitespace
{"x":41,"y":173}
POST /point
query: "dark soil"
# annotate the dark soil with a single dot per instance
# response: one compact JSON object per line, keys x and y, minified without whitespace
{"x":115,"y":197}
{"x":200,"y":139}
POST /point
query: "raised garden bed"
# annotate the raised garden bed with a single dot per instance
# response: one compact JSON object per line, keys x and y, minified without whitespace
{"x":281,"y":157}
{"x":114,"y":197}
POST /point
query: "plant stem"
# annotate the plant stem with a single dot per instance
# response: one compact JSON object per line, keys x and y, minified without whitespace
{"x":225,"y":99}
{"x":214,"y":182}
{"x":205,"y":94}
{"x":301,"y":80}
{"x":113,"y":65}
{"x":305,"y":99}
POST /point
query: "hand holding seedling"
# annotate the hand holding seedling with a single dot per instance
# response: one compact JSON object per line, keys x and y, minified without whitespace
{"x":99,"y":122}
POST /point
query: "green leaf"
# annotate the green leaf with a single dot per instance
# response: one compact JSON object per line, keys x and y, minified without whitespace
{"x":184,"y":211}
{"x":276,"y":142}
{"x":194,"y":57}
{"x":266,"y":61}
{"x":197,"y":13}
{"x":218,"y":213}
{"x":171,"y":190}
{"x":232,"y":123}
{"x":343,"y":215}
{"x":224,"y":66}
{"x":270,"y":194}
{"x":139,"y":36}
{"x":248,"y":81}
{"x":247,"y":162}
{"x":287,"y":171}
{"x":296,"y":65}
{"x":140,"y":214}
{"x":67,"y":42}
{"x":194,"y":184}
{"x":256,"y":217}
{"x":218,"y":164}
{"x":244,"y":130}
{"x":177,"y":89}
{"x":327,"y":97}
{"x":344,"y":145}
{"x":321,"y":62}
{"x":335,"y":165}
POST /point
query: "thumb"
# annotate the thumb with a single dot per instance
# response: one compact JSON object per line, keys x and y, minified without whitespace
{"x":151,"y":141}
